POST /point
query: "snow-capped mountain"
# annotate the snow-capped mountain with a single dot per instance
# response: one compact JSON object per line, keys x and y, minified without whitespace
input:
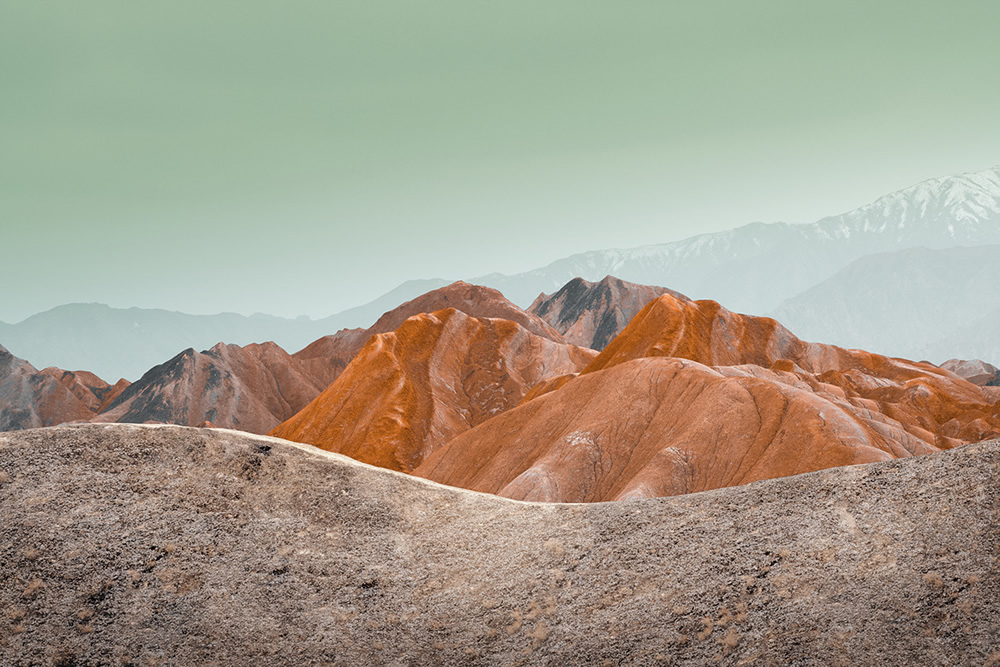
{"x":755,"y":267}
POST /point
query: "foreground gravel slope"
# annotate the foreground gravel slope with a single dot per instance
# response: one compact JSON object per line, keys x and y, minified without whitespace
{"x":171,"y":545}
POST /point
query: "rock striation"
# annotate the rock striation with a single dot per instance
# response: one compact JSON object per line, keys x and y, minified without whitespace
{"x":438,"y":374}
{"x":30,"y":398}
{"x":91,"y":390}
{"x":167,"y":545}
{"x":335,"y":352}
{"x":691,"y":397}
{"x":252,"y":388}
{"x":592,"y":314}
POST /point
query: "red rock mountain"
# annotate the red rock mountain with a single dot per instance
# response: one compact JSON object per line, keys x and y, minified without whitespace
{"x":91,"y":390}
{"x":256,"y":387}
{"x":336,"y":351}
{"x":691,"y":397}
{"x":975,"y":371}
{"x":30,"y":398}
{"x":250,"y":388}
{"x":592,"y":314}
{"x":437,"y":375}
{"x":473,"y":300}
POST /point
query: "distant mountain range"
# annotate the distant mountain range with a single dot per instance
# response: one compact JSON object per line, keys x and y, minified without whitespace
{"x":890,"y":276}
{"x":754,"y":268}
{"x":916,"y":303}
{"x":126,"y":342}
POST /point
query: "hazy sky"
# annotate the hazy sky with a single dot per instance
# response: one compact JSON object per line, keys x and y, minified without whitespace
{"x":303,"y":157}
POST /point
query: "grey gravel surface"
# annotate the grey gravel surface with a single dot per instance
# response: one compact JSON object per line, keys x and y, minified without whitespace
{"x":143,"y":545}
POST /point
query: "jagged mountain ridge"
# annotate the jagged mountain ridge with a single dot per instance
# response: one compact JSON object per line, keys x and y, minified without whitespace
{"x":755,"y":267}
{"x":592,"y":314}
{"x":251,"y":388}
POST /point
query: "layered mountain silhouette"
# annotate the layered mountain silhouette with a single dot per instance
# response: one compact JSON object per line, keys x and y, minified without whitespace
{"x":800,"y":273}
{"x":592,"y":314}
{"x":463,"y":387}
{"x":691,"y":397}
{"x":437,"y":375}
{"x":255,"y":387}
{"x":126,"y":342}
{"x":754,"y":268}
{"x":978,"y":338}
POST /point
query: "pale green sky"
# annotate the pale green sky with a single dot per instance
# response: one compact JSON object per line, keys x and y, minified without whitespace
{"x":303,"y":157}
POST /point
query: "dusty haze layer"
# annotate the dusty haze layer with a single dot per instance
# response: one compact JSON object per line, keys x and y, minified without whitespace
{"x":191,"y":546}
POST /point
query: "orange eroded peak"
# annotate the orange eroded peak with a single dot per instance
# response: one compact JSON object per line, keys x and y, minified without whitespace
{"x":438,"y":374}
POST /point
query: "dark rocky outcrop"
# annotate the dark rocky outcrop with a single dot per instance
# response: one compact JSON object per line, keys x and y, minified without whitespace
{"x":592,"y":314}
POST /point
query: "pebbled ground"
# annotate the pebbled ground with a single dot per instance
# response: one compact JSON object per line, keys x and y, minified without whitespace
{"x":145,"y":545}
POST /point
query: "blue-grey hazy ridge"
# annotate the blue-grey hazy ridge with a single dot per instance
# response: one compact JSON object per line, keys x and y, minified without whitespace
{"x":917,"y":303}
{"x":754,"y":268}
{"x":126,"y":342}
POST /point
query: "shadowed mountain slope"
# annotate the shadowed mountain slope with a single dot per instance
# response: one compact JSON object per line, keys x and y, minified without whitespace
{"x":30,"y":398}
{"x":592,"y":314}
{"x":692,"y":397}
{"x":252,"y":388}
{"x":134,"y":545}
{"x":410,"y":391}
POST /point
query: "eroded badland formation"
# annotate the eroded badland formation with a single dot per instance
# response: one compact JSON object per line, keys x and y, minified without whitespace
{"x":129,"y":543}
